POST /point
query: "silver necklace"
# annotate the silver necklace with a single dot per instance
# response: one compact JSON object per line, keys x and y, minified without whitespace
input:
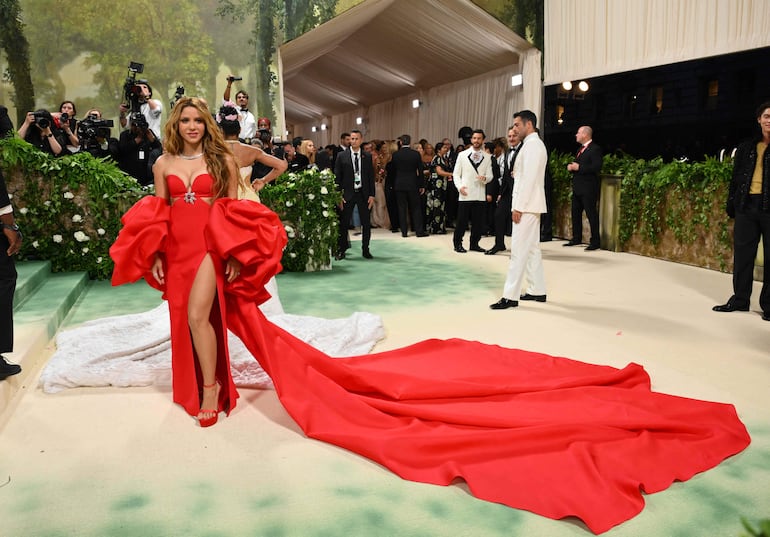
{"x":191,"y":157}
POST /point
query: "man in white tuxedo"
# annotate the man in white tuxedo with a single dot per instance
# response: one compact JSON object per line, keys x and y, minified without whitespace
{"x":472,"y":172}
{"x":527,"y":204}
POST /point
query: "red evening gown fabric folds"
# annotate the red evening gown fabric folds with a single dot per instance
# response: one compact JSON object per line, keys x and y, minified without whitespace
{"x":551,"y":435}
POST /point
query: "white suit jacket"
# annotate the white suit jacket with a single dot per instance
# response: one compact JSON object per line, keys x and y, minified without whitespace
{"x":529,"y":176}
{"x":465,"y":174}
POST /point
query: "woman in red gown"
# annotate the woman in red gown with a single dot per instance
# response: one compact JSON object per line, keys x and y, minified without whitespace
{"x":552,"y":435}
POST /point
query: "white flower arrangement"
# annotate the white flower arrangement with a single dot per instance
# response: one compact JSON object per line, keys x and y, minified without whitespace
{"x":81,"y":237}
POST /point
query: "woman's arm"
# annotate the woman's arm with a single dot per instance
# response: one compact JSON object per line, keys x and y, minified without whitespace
{"x":278,"y":167}
{"x":72,"y":138}
{"x":24,"y":129}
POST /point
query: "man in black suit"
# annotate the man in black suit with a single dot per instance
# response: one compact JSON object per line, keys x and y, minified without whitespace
{"x":354,"y":170}
{"x":585,"y":188}
{"x":503,"y":209}
{"x":407,"y":168}
{"x":10,"y":243}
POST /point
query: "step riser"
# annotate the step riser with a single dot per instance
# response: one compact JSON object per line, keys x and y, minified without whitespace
{"x":41,"y":304}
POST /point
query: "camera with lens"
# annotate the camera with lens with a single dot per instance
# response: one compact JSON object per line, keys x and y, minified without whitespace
{"x":42,"y":119}
{"x":234,"y":78}
{"x":92,"y":128}
{"x":139,"y":121}
{"x":178,"y":95}
{"x":264,"y":135}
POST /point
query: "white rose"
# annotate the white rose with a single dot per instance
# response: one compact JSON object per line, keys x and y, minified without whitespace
{"x":69,"y":195}
{"x":76,"y":218}
{"x":85,"y":250}
{"x":57,"y":239}
{"x":325,"y":213}
{"x":81,"y":237}
{"x":47,"y":203}
{"x":292,"y":255}
{"x":311,"y":196}
{"x":23,"y":210}
{"x":324,"y":190}
{"x":99,"y":259}
{"x":35,"y":244}
{"x":100,"y":231}
{"x":324,"y":205}
{"x":289,"y":203}
{"x":310,"y":251}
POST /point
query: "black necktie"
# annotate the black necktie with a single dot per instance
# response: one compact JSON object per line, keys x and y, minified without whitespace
{"x":355,"y":165}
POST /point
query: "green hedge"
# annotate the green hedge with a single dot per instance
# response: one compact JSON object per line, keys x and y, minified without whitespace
{"x":680,"y":201}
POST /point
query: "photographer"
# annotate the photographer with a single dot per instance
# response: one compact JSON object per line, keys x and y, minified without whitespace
{"x":40,"y":130}
{"x":137,"y":147}
{"x":149,"y":108}
{"x":66,"y":121}
{"x":94,"y":135}
{"x":245,"y":118}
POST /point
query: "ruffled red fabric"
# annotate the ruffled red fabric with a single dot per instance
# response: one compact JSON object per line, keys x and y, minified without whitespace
{"x":550,"y":435}
{"x":252,"y":234}
{"x":144,"y":233}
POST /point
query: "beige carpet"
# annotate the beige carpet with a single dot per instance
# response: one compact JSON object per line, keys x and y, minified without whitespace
{"x":125,"y":462}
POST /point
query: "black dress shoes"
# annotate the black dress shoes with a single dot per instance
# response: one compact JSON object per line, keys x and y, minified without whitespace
{"x":7,"y":370}
{"x":460,"y":250}
{"x":504,"y":304}
{"x":423,"y":234}
{"x":730,"y":306}
{"x":367,"y":254}
{"x":477,"y":248}
{"x":536,"y":298}
{"x":340,"y":256}
{"x":494,"y":250}
{"x":592,"y":247}
{"x":766,"y":316}
{"x":571,"y":243}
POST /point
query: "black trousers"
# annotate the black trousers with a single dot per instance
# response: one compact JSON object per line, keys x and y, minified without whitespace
{"x":585,"y":201}
{"x":750,"y":225}
{"x":391,"y":202}
{"x":452,"y":196}
{"x":502,"y":220}
{"x":409,"y":203}
{"x":361,"y":201}
{"x":475,"y":212}
{"x":7,"y":289}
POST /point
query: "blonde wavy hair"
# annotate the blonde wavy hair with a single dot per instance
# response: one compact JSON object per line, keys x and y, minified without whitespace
{"x":216,"y":152}
{"x":304,"y":148}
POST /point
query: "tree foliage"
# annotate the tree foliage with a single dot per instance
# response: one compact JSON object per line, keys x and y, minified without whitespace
{"x":169,"y":38}
{"x":16,"y":47}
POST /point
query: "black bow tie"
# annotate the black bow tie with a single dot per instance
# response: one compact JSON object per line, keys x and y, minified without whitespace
{"x":244,"y":109}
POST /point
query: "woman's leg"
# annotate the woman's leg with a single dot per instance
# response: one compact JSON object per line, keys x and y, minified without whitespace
{"x":202,"y":294}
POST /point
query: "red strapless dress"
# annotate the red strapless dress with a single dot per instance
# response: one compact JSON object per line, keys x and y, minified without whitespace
{"x":551,"y":435}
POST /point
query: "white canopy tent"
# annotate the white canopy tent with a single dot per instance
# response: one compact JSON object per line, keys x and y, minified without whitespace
{"x":374,"y":60}
{"x":585,"y":38}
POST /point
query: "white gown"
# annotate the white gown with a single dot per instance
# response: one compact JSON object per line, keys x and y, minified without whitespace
{"x":135,"y":350}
